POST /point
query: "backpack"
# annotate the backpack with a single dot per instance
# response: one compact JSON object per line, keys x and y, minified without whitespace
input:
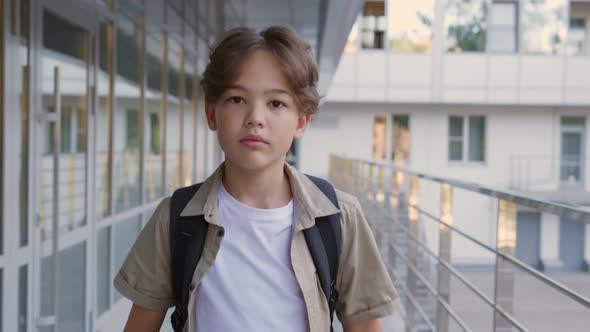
{"x":187,"y":240}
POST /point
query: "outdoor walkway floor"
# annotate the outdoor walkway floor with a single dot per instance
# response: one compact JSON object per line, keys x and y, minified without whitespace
{"x":538,"y":307}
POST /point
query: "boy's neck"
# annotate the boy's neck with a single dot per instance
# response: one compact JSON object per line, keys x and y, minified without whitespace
{"x":268,"y":188}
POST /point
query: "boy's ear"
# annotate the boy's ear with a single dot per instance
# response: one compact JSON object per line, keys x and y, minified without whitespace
{"x":210,"y":114}
{"x":302,"y":123}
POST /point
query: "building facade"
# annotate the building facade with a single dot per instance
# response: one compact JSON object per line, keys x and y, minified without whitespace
{"x":493,"y":92}
{"x":101,"y":116}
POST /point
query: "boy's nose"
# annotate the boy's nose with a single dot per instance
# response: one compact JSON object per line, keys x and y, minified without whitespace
{"x":255,"y":117}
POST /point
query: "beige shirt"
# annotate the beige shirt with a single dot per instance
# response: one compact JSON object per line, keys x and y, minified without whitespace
{"x":365,"y":289}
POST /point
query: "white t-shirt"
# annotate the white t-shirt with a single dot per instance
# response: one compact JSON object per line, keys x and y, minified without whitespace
{"x":251,"y":285}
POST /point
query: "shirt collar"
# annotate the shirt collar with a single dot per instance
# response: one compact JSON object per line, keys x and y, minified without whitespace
{"x":309,"y":201}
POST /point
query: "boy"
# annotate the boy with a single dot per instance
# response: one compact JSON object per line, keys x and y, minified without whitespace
{"x":255,"y":272}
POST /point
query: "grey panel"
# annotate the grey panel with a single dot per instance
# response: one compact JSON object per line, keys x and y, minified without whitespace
{"x":528,"y":233}
{"x":571,"y":244}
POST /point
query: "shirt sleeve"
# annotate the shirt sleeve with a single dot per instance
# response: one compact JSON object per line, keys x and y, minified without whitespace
{"x":363,"y":283}
{"x":145,"y":277}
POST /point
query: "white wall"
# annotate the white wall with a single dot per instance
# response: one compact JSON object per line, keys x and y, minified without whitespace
{"x":532,"y":134}
{"x":344,"y":132}
{"x":480,"y":78}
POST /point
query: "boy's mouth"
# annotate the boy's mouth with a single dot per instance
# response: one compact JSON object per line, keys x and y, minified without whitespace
{"x":253,"y":141}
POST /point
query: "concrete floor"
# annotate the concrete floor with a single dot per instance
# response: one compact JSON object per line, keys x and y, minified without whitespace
{"x":537,"y":307}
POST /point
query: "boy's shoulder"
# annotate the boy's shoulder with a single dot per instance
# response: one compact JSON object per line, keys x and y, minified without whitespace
{"x":346,"y":198}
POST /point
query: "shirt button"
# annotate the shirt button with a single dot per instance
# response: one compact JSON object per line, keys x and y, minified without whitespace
{"x":192,"y":287}
{"x":221,"y":232}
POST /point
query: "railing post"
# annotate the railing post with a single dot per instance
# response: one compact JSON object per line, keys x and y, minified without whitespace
{"x":371,"y":197}
{"x":354,"y":177}
{"x":504,"y":277}
{"x":444,"y":253}
{"x":380,"y":209}
{"x":414,"y":231}
{"x":394,"y":220}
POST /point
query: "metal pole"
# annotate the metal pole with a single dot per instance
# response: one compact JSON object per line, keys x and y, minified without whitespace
{"x":414,"y":231}
{"x":504,"y":274}
{"x":444,"y":252}
{"x":55,"y":228}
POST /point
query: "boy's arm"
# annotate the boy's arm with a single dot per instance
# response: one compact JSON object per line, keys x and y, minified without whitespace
{"x":144,"y":320}
{"x":372,"y":325}
{"x":363,"y":283}
{"x":145,"y":276}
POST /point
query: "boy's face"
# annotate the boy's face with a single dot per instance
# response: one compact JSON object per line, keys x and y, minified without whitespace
{"x":256,"y":119}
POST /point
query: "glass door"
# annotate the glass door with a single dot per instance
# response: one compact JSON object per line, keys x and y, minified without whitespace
{"x":572,"y":147}
{"x":63,"y":237}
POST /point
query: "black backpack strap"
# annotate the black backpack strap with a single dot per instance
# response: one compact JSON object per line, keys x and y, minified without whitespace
{"x":324,"y":242}
{"x":187,"y":240}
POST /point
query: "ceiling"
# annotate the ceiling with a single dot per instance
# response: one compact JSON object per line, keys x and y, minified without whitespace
{"x":324,"y":23}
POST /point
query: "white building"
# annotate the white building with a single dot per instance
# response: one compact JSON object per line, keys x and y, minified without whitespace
{"x":494,"y":92}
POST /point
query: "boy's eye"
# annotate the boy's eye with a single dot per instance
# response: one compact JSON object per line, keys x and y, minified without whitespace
{"x":235,"y":100}
{"x":276,"y":103}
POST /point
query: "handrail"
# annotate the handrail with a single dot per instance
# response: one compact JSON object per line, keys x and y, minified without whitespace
{"x":432,"y":290}
{"x":461,"y":278}
{"x":554,"y":284}
{"x":517,"y":198}
{"x":404,"y":196}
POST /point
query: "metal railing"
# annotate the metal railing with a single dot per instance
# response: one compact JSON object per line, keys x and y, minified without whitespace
{"x":390,"y":197}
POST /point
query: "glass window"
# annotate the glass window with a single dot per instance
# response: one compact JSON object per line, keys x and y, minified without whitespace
{"x":154,"y":129}
{"x":103,"y":268}
{"x":173,"y":114}
{"x":373,"y":25}
{"x":401,"y":138}
{"x":188,"y":123}
{"x":465,"y":25}
{"x":503,"y":27}
{"x":379,"y":137}
{"x":476,"y":138}
{"x":72,"y":288}
{"x":174,"y":22}
{"x":126,"y":123}
{"x":23,"y":278}
{"x":154,"y":110}
{"x":23,"y":91}
{"x":103,"y":120}
{"x":577,"y":38}
{"x":572,"y":154}
{"x":1,"y":288}
{"x":575,"y":122}
{"x":65,"y":47}
{"x":544,"y":26}
{"x":106,"y":3}
{"x":124,"y":235}
{"x":470,"y":147}
{"x":410,"y":25}
{"x":455,"y":138}
{"x":1,"y":148}
{"x":154,"y":14}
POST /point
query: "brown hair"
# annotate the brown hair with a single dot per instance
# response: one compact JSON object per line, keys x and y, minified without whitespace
{"x":292,"y":52}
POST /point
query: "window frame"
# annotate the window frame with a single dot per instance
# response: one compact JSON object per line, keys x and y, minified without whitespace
{"x":517,"y":26}
{"x":466,"y":119}
{"x":362,"y":30}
